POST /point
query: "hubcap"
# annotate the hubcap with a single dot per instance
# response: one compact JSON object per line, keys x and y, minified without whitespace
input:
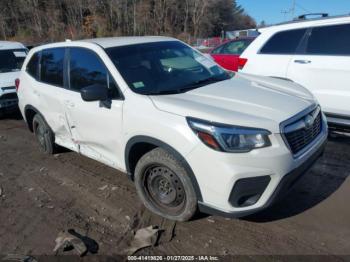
{"x":164,"y":188}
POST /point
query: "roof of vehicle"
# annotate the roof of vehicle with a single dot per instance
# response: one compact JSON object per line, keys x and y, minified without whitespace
{"x":127,"y":40}
{"x":5,"y":45}
{"x":301,"y":23}
{"x":237,"y":39}
{"x":241,"y":38}
{"x":107,"y":42}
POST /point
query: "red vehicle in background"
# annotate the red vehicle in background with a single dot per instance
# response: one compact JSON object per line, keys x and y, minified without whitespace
{"x":228,"y":54}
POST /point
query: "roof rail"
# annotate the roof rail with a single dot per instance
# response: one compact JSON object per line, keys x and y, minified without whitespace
{"x":301,"y":19}
{"x":304,"y":16}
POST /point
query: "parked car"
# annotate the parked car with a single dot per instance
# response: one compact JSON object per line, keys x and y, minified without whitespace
{"x":228,"y":54}
{"x":183,"y":129}
{"x":314,"y":53}
{"x":12,"y":55}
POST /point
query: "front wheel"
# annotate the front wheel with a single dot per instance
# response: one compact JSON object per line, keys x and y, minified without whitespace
{"x":164,"y":186}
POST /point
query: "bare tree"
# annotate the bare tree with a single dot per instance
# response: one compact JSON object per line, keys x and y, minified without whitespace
{"x":52,"y":20}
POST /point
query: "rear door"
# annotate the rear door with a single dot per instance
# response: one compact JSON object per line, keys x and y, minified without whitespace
{"x":49,"y":93}
{"x":96,"y":126}
{"x":324,"y":67}
{"x":275,"y":55}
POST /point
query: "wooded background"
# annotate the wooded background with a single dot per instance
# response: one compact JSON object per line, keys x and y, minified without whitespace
{"x":38,"y":21}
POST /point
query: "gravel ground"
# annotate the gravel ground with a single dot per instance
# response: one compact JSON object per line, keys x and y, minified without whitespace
{"x":42,"y":195}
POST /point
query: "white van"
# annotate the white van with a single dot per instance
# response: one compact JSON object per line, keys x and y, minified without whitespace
{"x":12,"y":55}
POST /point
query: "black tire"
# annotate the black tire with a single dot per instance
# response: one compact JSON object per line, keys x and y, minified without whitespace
{"x":44,"y":135}
{"x":164,"y":186}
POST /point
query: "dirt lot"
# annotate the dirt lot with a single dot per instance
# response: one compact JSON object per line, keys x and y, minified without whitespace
{"x":42,"y":195}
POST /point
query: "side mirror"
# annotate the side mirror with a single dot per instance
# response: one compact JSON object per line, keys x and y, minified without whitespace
{"x":95,"y":92}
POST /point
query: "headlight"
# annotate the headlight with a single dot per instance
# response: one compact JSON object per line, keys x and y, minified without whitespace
{"x":229,"y":138}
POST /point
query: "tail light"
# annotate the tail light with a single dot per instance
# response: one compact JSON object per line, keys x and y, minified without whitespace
{"x":242,"y":62}
{"x":17,"y":82}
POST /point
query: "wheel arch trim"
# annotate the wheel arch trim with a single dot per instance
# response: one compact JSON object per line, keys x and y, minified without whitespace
{"x":158,"y":143}
{"x":30,"y":107}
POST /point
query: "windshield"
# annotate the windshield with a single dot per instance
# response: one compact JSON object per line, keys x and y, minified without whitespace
{"x":164,"y":67}
{"x":12,"y":60}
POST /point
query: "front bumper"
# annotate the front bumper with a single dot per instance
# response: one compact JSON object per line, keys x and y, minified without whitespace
{"x":281,"y":190}
{"x":266,"y":174}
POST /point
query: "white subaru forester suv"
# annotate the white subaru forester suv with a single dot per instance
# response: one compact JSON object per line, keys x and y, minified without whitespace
{"x":188,"y":133}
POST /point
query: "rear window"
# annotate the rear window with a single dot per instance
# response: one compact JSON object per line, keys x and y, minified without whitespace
{"x":329,"y":40}
{"x":12,"y":60}
{"x":285,"y":42}
{"x":33,"y":65}
{"x":233,"y":48}
{"x":52,"y":66}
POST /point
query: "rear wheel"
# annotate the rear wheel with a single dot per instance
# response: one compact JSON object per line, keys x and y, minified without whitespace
{"x":164,"y":186}
{"x":43,"y":134}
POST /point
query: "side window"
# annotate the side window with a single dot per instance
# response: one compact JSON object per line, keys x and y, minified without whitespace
{"x":33,"y":65}
{"x":87,"y":69}
{"x":329,"y":40}
{"x":283,"y":43}
{"x":52,"y":66}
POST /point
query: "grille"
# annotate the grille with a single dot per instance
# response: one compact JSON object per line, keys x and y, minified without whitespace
{"x":300,"y":138}
{"x":9,"y":96}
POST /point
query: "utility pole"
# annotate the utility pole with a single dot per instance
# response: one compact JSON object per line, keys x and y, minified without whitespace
{"x":292,"y":10}
{"x":284,"y":12}
{"x":289,"y":11}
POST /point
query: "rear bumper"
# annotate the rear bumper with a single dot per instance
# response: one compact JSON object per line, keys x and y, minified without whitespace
{"x":8,"y":103}
{"x":280,"y":191}
{"x":8,"y":99}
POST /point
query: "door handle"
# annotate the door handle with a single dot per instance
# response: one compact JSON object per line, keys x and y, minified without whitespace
{"x":302,"y":61}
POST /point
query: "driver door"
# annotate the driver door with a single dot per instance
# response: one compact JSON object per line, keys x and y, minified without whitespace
{"x":97,"y":125}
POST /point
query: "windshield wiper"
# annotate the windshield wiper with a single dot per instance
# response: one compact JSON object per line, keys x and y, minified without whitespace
{"x":189,"y":87}
{"x":163,"y":92}
{"x":200,"y":83}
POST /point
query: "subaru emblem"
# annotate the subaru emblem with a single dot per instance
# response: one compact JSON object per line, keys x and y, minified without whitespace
{"x":309,"y":121}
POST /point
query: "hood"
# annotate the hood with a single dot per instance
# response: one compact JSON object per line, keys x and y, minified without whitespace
{"x":244,"y":100}
{"x":8,"y":79}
